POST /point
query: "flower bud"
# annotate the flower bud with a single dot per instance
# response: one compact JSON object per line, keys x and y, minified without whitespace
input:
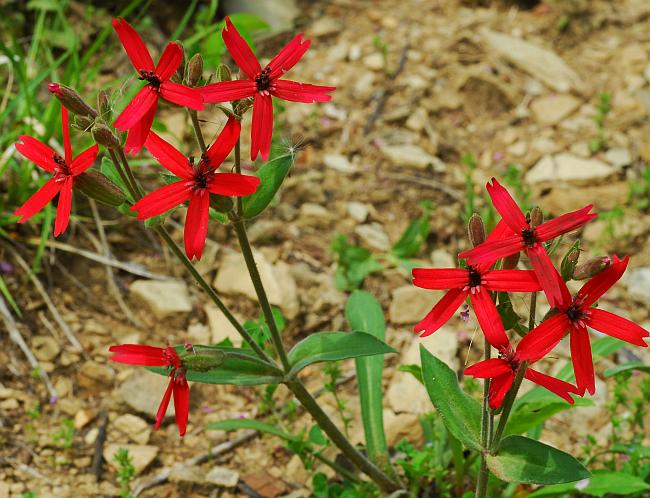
{"x":221,"y":203}
{"x":84,"y":123}
{"x":592,"y":267}
{"x":103,"y":135}
{"x":98,"y":187}
{"x":205,"y":361}
{"x":180,"y":70}
{"x":511,"y":262}
{"x":240,"y":107}
{"x":223,"y":73}
{"x":104,"y":105}
{"x":536,"y":217}
{"x":71,"y":100}
{"x":195,"y":70}
{"x":476,"y":230}
{"x":569,"y":262}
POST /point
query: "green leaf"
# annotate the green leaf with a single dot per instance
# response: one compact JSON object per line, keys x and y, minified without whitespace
{"x":415,"y":234}
{"x":626,"y":367}
{"x":108,"y":169}
{"x":240,"y":367}
{"x":521,"y":459}
{"x":527,"y":416}
{"x":506,"y":311}
{"x":271,"y":176}
{"x":333,"y":346}
{"x":353,"y":264}
{"x":460,"y":412}
{"x":568,"y":266}
{"x":363,"y":312}
{"x":601,"y":483}
{"x":316,"y":436}
{"x":234,"y":424}
{"x":414,"y":370}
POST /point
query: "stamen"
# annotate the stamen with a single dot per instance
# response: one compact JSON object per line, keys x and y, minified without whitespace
{"x":528,"y":235}
{"x":150,"y":77}
{"x":263,"y":81}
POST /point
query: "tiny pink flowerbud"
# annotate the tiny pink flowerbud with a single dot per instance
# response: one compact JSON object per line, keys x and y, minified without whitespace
{"x":71,"y":100}
{"x":591,"y":267}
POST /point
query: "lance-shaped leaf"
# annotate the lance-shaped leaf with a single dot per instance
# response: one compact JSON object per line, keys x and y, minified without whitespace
{"x":235,"y":424}
{"x":364,"y":313}
{"x":627,"y":367}
{"x":521,"y":459}
{"x":460,"y":412}
{"x":527,"y":416}
{"x":333,"y":346}
{"x":271,"y":176}
{"x":601,"y":483}
{"x":240,"y":367}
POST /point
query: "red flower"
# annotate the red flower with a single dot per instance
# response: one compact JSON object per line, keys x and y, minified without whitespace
{"x":196,"y":184}
{"x":576,"y":314}
{"x":149,"y":356}
{"x":64,"y":170}
{"x":262,"y":84}
{"x":503,"y":370}
{"x":138,"y":115}
{"x":475,"y":282}
{"x":527,"y":238}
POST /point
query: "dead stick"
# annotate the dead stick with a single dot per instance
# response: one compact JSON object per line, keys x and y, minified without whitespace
{"x":98,"y":456}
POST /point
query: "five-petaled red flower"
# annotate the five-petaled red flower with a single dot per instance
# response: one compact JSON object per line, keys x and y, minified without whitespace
{"x":527,"y":238}
{"x":197,"y":182}
{"x":476,"y":282}
{"x":138,"y":115}
{"x":150,"y":356}
{"x":576,"y":314}
{"x":503,"y":370}
{"x":262,"y":84}
{"x":64,"y":170}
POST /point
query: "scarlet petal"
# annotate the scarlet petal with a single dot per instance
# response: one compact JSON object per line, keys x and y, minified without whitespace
{"x":63,"y":209}
{"x":262,"y":129}
{"x":288,"y":56}
{"x":37,"y":152}
{"x":84,"y":160}
{"x":164,"y":403}
{"x":489,"y":252}
{"x":617,"y":326}
{"x":138,"y":134}
{"x":539,"y":341}
{"x":138,"y":354}
{"x":240,"y":51}
{"x":162,"y":200}
{"x":489,"y":369}
{"x":181,"y":403}
{"x":441,"y":312}
{"x":511,"y":281}
{"x":602,"y":282}
{"x":489,"y":319}
{"x":499,"y":387}
{"x":168,"y":156}
{"x":301,"y":92}
{"x":233,"y":184}
{"x":196,"y":224}
{"x":133,"y":44}
{"x":137,"y":109}
{"x":440,"y":278}
{"x":547,"y":276}
{"x":169,"y":61}
{"x":182,"y":95}
{"x":224,"y":143}
{"x":583,"y":365}
{"x":38,"y":201}
{"x":228,"y":90}
{"x":557,"y":386}
{"x":565,"y":223}
{"x":506,"y":206}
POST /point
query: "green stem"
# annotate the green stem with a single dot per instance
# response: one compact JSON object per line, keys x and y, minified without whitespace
{"x":123,"y":176}
{"x":136,"y":187}
{"x":197,"y":130}
{"x":336,"y":467}
{"x":212,"y":294}
{"x":482,"y":480}
{"x":339,"y":439}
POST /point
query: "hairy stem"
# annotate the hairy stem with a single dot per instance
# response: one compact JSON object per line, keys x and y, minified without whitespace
{"x":482,"y":480}
{"x":123,"y":176}
{"x":197,"y":129}
{"x":129,"y":173}
{"x":339,"y":439}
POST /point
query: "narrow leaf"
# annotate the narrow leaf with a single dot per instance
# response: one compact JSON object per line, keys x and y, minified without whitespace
{"x":529,"y":415}
{"x":363,"y":312}
{"x":271,"y":176}
{"x":235,"y":424}
{"x":333,"y":346}
{"x":521,"y":459}
{"x":460,"y":412}
{"x":627,"y":367}
{"x":601,"y":483}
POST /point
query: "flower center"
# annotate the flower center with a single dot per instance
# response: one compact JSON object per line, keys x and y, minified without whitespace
{"x":151,"y":77}
{"x":474,"y":277}
{"x":510,"y":357}
{"x":263,"y":80}
{"x":203,"y":173}
{"x":62,"y":167}
{"x":576,"y":313}
{"x":528,"y":235}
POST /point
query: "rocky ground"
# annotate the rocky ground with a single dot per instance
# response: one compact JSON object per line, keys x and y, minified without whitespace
{"x":421,"y":84}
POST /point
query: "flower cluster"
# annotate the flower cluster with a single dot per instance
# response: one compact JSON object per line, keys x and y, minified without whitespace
{"x":516,"y":233}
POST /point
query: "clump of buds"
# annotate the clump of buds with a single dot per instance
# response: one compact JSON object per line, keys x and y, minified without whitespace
{"x":103,"y":135}
{"x":592,"y":267}
{"x":71,"y":100}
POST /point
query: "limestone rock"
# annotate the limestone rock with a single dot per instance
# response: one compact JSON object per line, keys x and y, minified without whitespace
{"x":567,"y":167}
{"x":314,"y":215}
{"x":93,"y":375}
{"x":358,"y":211}
{"x":45,"y":348}
{"x":220,"y":326}
{"x":131,"y":426}
{"x":373,"y":236}
{"x":141,"y":454}
{"x":165,"y":298}
{"x":143,"y":391}
{"x":618,"y":157}
{"x":410,"y":304}
{"x":233,"y":278}
{"x":412,"y":156}
{"x":638,"y":284}
{"x":551,"y":109}
{"x":340,"y":163}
